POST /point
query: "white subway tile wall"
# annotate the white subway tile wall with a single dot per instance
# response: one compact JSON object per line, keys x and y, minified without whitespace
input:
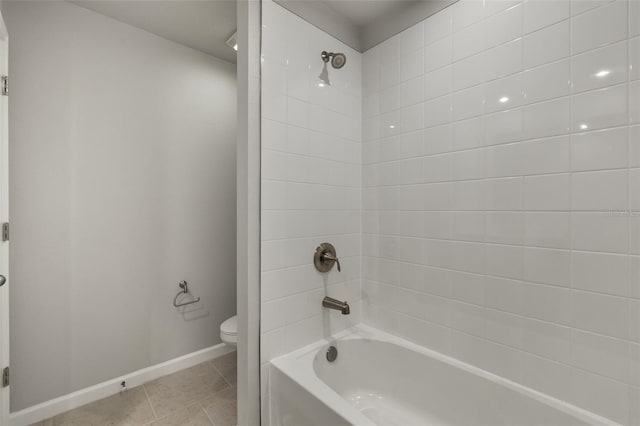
{"x":479,"y":175}
{"x":311,"y":181}
{"x":501,"y":193}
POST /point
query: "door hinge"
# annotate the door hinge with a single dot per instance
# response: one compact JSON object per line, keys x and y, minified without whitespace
{"x":5,"y":377}
{"x":5,"y":231}
{"x":5,"y":85}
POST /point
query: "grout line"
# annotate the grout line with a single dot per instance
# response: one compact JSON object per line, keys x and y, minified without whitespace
{"x":525,"y":352}
{"x":629,"y":168}
{"x":205,"y":412}
{"x":572,"y":55}
{"x":523,"y":96}
{"x":493,"y":309}
{"x":315,"y":157}
{"x":520,"y":280}
{"x":153,"y":410}
{"x":314,"y":184}
{"x":316,"y":236}
{"x":177,"y":411}
{"x":197,"y":402}
{"x":220,"y":373}
{"x":215,"y":393}
{"x":513,"y":348}
{"x":371,"y":165}
{"x":523,"y":245}
{"x":520,"y":107}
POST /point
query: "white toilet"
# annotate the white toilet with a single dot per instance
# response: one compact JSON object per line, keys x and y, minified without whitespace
{"x":229,"y":331}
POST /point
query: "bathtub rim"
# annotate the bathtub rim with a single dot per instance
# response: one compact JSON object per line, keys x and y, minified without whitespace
{"x":298,"y":366}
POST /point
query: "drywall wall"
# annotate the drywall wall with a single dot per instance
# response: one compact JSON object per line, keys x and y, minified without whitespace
{"x":122,"y":156}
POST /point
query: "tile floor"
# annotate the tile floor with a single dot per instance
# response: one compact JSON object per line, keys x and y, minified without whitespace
{"x":202,"y":395}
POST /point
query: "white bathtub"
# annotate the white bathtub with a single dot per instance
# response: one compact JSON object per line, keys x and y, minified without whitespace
{"x":379,"y":379}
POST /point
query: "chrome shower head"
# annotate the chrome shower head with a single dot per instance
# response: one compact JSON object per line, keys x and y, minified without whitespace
{"x":337,"y":59}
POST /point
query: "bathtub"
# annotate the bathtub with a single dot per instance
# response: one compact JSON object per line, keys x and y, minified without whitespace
{"x":380,"y":379}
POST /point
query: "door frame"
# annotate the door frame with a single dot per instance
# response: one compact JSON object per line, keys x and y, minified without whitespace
{"x":4,"y":217}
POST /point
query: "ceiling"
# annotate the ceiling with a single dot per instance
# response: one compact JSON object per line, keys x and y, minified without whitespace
{"x":362,"y":24}
{"x":364,"y":12}
{"x":203,"y":25}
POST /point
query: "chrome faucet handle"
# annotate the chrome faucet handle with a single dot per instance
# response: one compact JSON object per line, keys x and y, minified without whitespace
{"x":325,"y":257}
{"x":332,"y":259}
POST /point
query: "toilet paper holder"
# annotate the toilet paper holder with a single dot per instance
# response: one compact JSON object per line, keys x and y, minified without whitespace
{"x":185,"y":289}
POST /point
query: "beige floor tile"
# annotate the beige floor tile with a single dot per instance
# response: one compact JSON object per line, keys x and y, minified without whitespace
{"x":227,"y":366}
{"x":48,"y":422}
{"x":222,"y":407}
{"x":193,"y":415}
{"x":128,"y":408}
{"x":173,"y":392}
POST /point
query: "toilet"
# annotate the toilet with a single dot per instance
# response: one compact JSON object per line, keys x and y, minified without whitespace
{"x":229,"y":331}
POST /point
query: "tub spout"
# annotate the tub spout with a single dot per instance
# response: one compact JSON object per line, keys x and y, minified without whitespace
{"x":331,"y":303}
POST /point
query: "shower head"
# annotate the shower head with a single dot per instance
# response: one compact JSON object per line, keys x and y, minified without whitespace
{"x":337,"y":61}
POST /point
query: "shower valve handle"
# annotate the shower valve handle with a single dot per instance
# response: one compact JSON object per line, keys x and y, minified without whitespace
{"x":325,"y":257}
{"x":330,"y":258}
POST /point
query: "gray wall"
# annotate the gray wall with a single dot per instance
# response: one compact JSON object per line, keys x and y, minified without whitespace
{"x":122,"y":156}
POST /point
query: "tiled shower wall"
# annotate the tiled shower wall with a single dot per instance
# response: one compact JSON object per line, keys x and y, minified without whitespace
{"x":501,"y":193}
{"x":311,"y":182}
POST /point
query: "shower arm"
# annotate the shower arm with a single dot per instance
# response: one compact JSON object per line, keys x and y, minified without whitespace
{"x":326,"y":56}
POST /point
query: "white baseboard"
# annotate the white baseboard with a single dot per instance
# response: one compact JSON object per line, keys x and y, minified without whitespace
{"x":84,"y":396}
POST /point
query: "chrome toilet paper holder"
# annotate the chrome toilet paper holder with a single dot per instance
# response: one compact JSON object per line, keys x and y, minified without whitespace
{"x":185,"y":289}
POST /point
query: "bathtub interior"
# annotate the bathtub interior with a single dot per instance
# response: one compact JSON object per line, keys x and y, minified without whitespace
{"x":393,"y":385}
